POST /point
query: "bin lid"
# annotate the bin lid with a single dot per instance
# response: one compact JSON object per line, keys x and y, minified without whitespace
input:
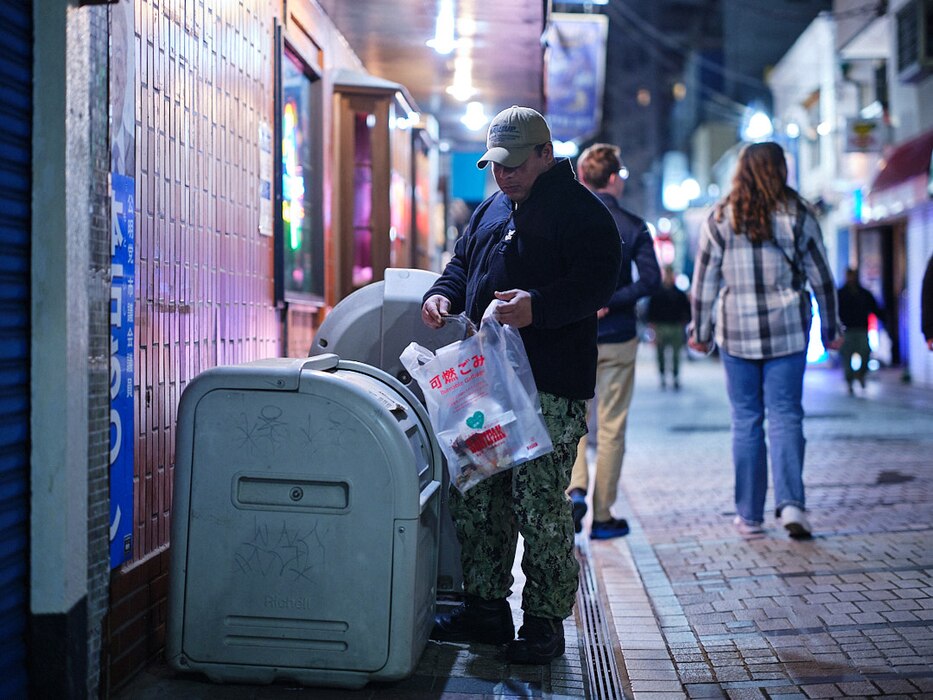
{"x":375,"y":323}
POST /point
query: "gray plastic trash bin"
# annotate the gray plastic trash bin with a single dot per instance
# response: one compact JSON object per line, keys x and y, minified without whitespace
{"x":304,"y":526}
{"x":373,"y":325}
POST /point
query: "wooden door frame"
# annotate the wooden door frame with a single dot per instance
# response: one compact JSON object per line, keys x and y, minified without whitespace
{"x":348,"y":102}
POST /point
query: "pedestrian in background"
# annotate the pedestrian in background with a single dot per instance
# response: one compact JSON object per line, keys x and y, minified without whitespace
{"x":759,"y":248}
{"x":926,"y":304}
{"x":669,"y":314}
{"x":549,"y":251}
{"x":856,"y":304}
{"x":600,"y":168}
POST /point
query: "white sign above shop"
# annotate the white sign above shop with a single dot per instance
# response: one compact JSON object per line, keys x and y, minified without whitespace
{"x":865,"y":135}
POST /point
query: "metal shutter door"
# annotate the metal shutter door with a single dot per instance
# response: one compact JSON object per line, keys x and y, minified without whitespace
{"x":16,"y":36}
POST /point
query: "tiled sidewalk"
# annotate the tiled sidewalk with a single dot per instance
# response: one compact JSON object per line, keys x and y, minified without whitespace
{"x":701,"y":612}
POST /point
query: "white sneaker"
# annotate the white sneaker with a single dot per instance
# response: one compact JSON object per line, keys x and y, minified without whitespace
{"x":795,"y":522}
{"x":747,"y":528}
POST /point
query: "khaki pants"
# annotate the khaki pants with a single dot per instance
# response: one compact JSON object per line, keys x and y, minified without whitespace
{"x":615,"y":382}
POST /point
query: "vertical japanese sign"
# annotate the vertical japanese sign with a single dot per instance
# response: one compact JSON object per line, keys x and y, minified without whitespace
{"x":122,"y":303}
{"x":576,"y":67}
{"x":122,"y":270}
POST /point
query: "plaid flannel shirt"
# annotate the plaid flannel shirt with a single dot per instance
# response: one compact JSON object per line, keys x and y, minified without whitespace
{"x":762,"y":308}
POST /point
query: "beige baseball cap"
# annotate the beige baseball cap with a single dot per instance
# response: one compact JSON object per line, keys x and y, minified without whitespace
{"x":513,"y":134}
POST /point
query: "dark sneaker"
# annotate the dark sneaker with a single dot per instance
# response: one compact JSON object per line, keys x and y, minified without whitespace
{"x":540,"y":641}
{"x":606,"y":530}
{"x":476,"y":620}
{"x":578,"y":499}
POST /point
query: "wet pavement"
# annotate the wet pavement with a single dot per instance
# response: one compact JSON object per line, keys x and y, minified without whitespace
{"x":846,"y":614}
{"x":685,"y":607}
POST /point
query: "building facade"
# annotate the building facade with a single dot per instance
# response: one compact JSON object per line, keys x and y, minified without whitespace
{"x":888,"y":63}
{"x":188,"y":185}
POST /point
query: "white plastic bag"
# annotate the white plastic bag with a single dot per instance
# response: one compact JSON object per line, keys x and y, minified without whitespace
{"x":482,"y":401}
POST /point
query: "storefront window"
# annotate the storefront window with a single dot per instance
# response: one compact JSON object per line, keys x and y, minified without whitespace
{"x":363,"y":200}
{"x":400,"y":188}
{"x":300,"y":241}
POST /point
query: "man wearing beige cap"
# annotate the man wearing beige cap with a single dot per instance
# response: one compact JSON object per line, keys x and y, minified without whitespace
{"x":548,"y":250}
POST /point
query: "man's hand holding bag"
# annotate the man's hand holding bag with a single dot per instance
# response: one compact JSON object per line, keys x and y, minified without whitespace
{"x":482,"y":401}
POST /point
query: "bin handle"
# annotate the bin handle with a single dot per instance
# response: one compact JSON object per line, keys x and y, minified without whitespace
{"x":427,"y":493}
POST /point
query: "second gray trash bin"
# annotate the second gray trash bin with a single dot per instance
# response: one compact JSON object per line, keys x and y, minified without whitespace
{"x":373,"y":325}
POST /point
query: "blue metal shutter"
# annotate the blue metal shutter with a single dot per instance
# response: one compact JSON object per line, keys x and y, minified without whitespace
{"x":16,"y":37}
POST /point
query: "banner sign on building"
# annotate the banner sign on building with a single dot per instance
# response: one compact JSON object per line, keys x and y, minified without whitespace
{"x":122,"y":304}
{"x":122,"y":75}
{"x":122,"y":89}
{"x":576,"y":68}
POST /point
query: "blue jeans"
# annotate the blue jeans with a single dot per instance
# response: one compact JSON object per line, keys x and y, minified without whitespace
{"x":756,"y":388}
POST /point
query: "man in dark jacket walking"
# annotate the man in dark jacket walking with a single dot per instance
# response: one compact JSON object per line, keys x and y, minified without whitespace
{"x":549,"y":252}
{"x":600,"y":169}
{"x":855,"y":305}
{"x":669,"y":314}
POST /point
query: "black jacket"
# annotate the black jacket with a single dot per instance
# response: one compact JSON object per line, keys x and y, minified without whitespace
{"x":855,"y":304}
{"x":565,"y":252}
{"x":926,"y":301}
{"x":619,"y":324}
{"x":669,"y":305}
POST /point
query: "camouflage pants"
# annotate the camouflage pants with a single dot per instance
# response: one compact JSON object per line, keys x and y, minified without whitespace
{"x":529,"y":499}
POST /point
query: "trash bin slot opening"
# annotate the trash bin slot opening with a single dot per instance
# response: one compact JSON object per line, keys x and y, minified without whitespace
{"x":290,"y":492}
{"x":284,"y":625}
{"x":284,"y":643}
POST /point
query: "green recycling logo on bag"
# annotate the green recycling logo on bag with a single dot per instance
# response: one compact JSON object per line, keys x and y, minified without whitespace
{"x":476,"y":420}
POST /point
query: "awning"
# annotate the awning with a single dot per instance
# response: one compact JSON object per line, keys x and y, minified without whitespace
{"x":907,"y":161}
{"x":903,"y":183}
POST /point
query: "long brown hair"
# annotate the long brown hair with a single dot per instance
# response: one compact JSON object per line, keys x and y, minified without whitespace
{"x":759,"y":186}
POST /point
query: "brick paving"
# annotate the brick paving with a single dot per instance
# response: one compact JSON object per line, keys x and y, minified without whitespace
{"x":848,"y":613}
{"x":695,"y":610}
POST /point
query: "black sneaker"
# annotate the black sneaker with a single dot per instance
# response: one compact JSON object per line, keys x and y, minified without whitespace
{"x":578,"y":499}
{"x":607,"y":529}
{"x":476,"y":620}
{"x":540,"y":641}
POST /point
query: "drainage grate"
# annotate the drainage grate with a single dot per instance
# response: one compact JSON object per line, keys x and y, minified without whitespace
{"x":699,"y":428}
{"x":893,"y":477}
{"x":605,"y":681}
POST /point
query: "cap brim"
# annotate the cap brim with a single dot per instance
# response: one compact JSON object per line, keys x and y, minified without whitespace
{"x":509,"y":157}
